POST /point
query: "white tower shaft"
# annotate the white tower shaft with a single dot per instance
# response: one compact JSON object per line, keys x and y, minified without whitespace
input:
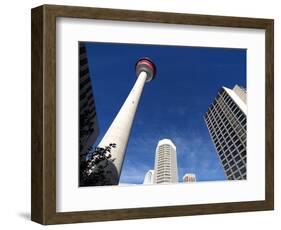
{"x":119,"y":131}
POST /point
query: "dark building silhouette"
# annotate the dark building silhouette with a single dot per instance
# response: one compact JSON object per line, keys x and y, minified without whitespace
{"x":88,"y":123}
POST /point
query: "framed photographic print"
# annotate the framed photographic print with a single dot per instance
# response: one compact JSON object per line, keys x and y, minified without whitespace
{"x":140,"y":114}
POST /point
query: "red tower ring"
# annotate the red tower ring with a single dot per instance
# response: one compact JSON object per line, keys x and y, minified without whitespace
{"x":145,"y":64}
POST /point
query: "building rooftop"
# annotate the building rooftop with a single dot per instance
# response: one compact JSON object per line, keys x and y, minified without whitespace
{"x":166,"y":141}
{"x":236,"y":99}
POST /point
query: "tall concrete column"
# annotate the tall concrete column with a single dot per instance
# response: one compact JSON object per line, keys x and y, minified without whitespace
{"x":120,"y":129}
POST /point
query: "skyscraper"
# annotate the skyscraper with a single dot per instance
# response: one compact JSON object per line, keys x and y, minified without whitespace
{"x":119,"y":131}
{"x":88,"y":123}
{"x":226,"y":120}
{"x":165,"y":169}
{"x":149,"y":177}
{"x":189,"y":177}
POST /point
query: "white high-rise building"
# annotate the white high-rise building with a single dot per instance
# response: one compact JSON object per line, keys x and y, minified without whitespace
{"x":165,"y":169}
{"x":226,"y":120}
{"x":189,"y":177}
{"x":149,"y":177}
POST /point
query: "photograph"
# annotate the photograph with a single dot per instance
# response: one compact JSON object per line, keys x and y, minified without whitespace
{"x":160,"y":114}
{"x":145,"y":114}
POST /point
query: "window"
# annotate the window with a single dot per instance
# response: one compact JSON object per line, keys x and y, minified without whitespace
{"x":87,"y":90}
{"x":243,"y":153}
{"x":83,"y":72}
{"x":83,"y":61}
{"x":238,"y":142}
{"x":240,"y":164}
{"x":243,"y":170}
{"x":230,"y":143}
{"x":238,"y":128}
{"x":234,"y":168}
{"x":241,"y":118}
{"x":239,"y":113}
{"x":235,"y":107}
{"x":237,"y":158}
{"x":237,"y":175}
{"x":240,"y":133}
{"x":85,"y":82}
{"x":241,"y":147}
{"x":243,"y":137}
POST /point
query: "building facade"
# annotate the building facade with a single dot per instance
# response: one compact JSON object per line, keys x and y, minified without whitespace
{"x":165,"y":169}
{"x":149,"y":177}
{"x":226,"y":120}
{"x":189,"y":177}
{"x":88,"y":123}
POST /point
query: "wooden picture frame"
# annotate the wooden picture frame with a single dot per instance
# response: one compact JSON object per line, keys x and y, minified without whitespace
{"x":43,"y":208}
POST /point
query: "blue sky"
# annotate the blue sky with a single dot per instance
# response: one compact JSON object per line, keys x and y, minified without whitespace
{"x":172,"y":106}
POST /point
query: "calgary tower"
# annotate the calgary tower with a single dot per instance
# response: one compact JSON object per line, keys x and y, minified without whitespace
{"x":119,"y":131}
